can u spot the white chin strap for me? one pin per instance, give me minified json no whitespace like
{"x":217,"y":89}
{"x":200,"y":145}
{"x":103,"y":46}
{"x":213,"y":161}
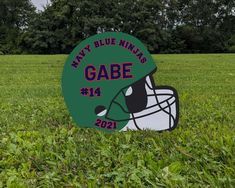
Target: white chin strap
{"x":160,"y":113}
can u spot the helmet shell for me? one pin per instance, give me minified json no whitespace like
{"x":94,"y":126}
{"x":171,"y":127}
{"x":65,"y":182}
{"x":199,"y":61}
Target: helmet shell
{"x":106,"y":63}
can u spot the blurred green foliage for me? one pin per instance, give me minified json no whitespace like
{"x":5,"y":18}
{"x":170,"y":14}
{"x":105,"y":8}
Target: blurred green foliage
{"x":168,"y":26}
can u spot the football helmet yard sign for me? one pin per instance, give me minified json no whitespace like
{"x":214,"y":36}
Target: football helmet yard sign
{"x":108,"y":84}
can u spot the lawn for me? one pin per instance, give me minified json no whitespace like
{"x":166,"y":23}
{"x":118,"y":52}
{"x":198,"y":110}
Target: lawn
{"x":41,"y":147}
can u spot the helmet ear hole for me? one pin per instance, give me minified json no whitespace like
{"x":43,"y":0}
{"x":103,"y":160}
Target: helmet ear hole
{"x":100,"y":110}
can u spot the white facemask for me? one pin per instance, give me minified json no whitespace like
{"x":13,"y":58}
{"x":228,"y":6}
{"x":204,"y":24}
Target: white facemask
{"x":161,"y":112}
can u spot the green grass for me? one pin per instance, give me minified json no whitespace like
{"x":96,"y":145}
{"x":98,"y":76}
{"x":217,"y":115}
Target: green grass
{"x":41,"y":147}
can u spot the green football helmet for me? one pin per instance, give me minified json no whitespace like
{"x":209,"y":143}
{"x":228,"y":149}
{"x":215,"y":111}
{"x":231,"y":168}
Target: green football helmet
{"x":107,"y":84}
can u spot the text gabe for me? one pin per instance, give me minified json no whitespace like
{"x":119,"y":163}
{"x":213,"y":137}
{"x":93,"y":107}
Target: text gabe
{"x":112,"y":72}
